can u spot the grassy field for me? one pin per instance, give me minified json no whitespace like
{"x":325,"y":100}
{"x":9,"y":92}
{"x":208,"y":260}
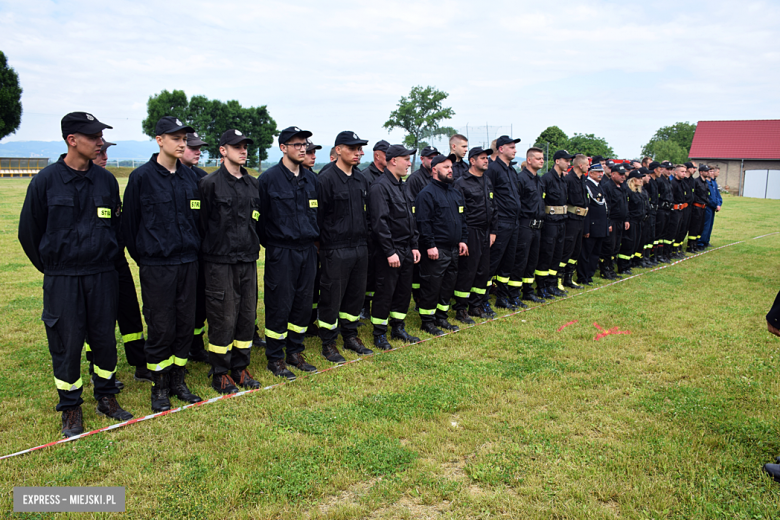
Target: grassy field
{"x":509,"y":419}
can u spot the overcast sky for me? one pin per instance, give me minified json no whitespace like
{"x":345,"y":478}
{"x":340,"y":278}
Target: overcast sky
{"x":618,"y":69}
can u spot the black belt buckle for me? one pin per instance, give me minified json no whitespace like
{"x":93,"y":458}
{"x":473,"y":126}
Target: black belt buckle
{"x":536,"y":224}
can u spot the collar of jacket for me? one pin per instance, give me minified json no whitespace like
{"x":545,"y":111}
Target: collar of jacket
{"x":528,"y":172}
{"x":224,"y":171}
{"x":468,"y":175}
{"x":342,"y":175}
{"x":442,"y":185}
{"x":291,"y":176}
{"x":162,"y":170}
{"x":68,"y":174}
{"x":392,"y":178}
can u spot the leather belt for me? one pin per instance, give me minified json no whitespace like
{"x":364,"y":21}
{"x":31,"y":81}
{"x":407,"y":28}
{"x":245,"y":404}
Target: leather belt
{"x":702,"y":206}
{"x":678,"y":207}
{"x":555,"y":210}
{"x":576,"y":210}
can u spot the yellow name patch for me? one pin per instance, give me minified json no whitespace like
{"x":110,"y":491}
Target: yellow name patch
{"x":194,"y":204}
{"x":313,"y":203}
{"x":413,"y":208}
{"x":460,"y":209}
{"x":255,"y":214}
{"x":104,"y":212}
{"x":491,"y":194}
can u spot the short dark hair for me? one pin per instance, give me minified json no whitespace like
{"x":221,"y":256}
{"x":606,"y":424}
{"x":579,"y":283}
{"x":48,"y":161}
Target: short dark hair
{"x":333,"y":152}
{"x":533,"y":149}
{"x":458,"y":137}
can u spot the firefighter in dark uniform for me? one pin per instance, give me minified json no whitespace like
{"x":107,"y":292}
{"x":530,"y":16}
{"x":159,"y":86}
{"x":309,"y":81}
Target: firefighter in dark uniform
{"x":69,"y":229}
{"x":595,"y":228}
{"x":530,"y":193}
{"x":160,"y":226}
{"x":649,"y":242}
{"x":474,"y":269}
{"x":443,"y":239}
{"x":690,"y":170}
{"x":680,"y":195}
{"x":343,"y":223}
{"x":198,"y":352}
{"x":395,"y":236}
{"x":308,"y":162}
{"x":288,"y":230}
{"x":414,"y":184}
{"x":459,"y":147}
{"x":554,"y":192}
{"x":374,"y":170}
{"x":128,"y":317}
{"x":577,"y":211}
{"x":701,"y":196}
{"x":664,"y":213}
{"x":629,"y":243}
{"x":229,"y":211}
{"x":617,"y":200}
{"x":507,"y":204}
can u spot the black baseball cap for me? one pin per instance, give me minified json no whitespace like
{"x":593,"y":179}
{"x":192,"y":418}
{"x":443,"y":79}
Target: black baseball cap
{"x":653,"y":165}
{"x":292,"y":131}
{"x":704,"y":168}
{"x":170,"y":125}
{"x":689,"y":165}
{"x":193,"y":140}
{"x":478,"y":150}
{"x":350,"y":139}
{"x":636,"y":174}
{"x":667,"y":165}
{"x":310,"y":147}
{"x":81,"y":123}
{"x":562,"y":154}
{"x":505,"y":139}
{"x":381,"y":146}
{"x":644,"y":171}
{"x":619,"y":168}
{"x":428,"y":151}
{"x":441,"y":158}
{"x":105,"y":146}
{"x":597,"y":158}
{"x":234,"y":137}
{"x":398,"y":150}
{"x":610,"y":163}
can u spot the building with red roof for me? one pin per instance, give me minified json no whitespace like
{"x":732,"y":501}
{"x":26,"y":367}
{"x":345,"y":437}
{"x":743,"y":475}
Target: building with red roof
{"x":747,"y":152}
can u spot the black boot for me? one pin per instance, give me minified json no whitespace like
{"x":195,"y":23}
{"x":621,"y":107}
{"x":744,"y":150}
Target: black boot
{"x":356,"y":345}
{"x":430,"y":328}
{"x":503,"y":303}
{"x":160,"y":392}
{"x":257,"y":341}
{"x":143,"y":374}
{"x":72,"y":422}
{"x":179,"y":387}
{"x":244,"y":379}
{"x":108,"y":407}
{"x":463,"y":317}
{"x":443,"y":324}
{"x":528,"y":295}
{"x":298,"y":361}
{"x":332,"y":354}
{"x":381,"y":342}
{"x":365,"y":312}
{"x":224,"y":384}
{"x":568,"y":281}
{"x":399,"y":332}
{"x":553,"y":286}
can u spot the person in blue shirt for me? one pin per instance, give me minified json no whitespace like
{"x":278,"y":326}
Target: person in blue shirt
{"x":713,"y":206}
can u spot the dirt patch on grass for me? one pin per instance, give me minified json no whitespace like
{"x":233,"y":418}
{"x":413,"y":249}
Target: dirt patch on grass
{"x":409,"y":508}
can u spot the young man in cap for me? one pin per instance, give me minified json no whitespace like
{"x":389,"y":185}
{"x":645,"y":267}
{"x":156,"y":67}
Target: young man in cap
{"x":577,"y":211}
{"x":595,"y":228}
{"x":459,"y":147}
{"x":503,"y":177}
{"x":102,"y":158}
{"x":372,"y":173}
{"x":649,"y":242}
{"x":680,"y":194}
{"x":311,"y":155}
{"x":701,"y":197}
{"x":616,"y":194}
{"x":343,"y":223}
{"x":160,"y":228}
{"x":443,"y":238}
{"x":531,"y":195}
{"x":308,"y":163}
{"x":229,"y":211}
{"x":663,"y":215}
{"x":418,"y":180}
{"x":555,"y":194}
{"x":481,"y":218}
{"x":395,"y":235}
{"x":198,"y":353}
{"x":288,"y":230}
{"x":69,"y":229}
{"x":688,"y":179}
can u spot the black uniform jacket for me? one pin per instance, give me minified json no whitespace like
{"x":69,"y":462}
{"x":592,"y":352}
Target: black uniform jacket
{"x":679,"y":191}
{"x":199,"y":172}
{"x":229,"y":211}
{"x":288,"y":208}
{"x":418,"y":180}
{"x":531,"y":192}
{"x":327,"y":167}
{"x":342,"y":214}
{"x":440,"y":216}
{"x":161,"y":219}
{"x":701,"y":191}
{"x":460,"y":168}
{"x":504,"y":180}
{"x":664,"y":189}
{"x":391,"y":215}
{"x":636,"y":206}
{"x":554,"y":192}
{"x":617,"y":198}
{"x":576,"y":193}
{"x":689,"y":185}
{"x":478,"y":197}
{"x":597,"y":219}
{"x":651,"y":188}
{"x":371,"y":173}
{"x":69,"y":223}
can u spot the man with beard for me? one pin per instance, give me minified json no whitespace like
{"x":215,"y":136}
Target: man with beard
{"x":615,"y":192}
{"x":418,"y":180}
{"x":374,"y":170}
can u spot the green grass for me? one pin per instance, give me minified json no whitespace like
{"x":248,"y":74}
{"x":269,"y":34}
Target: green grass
{"x":510,"y":419}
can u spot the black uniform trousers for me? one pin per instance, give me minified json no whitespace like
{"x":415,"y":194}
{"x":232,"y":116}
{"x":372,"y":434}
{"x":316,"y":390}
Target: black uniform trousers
{"x":526,"y":258}
{"x":572,"y":245}
{"x":551,"y":248}
{"x":686,"y":221}
{"x":288,"y":295}
{"x":393,"y":290}
{"x":231,"y":308}
{"x":168,"y":294}
{"x":473,"y":271}
{"x":648,"y":235}
{"x":628,"y":245}
{"x":342,"y":290}
{"x":502,"y":256}
{"x":315,"y":301}
{"x":128,"y":317}
{"x":370,"y":277}
{"x":611,"y":245}
{"x":680,"y":229}
{"x":590,"y":254}
{"x":200,"y":302}
{"x":662,"y":226}
{"x":75,"y":307}
{"x":437,"y":282}
{"x":696,"y":227}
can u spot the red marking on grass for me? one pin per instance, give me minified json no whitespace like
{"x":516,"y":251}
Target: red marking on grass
{"x":610,"y":332}
{"x":564,"y":326}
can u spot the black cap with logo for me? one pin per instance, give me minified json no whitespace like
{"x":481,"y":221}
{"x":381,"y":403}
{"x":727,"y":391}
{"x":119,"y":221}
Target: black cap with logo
{"x":397,"y":150}
{"x":292,"y":131}
{"x":81,"y":123}
{"x":350,"y":139}
{"x":479,"y":150}
{"x":234,"y":137}
{"x":667,"y":165}
{"x":429,"y":151}
{"x":505,"y":139}
{"x":171,"y":125}
{"x":653,"y":165}
{"x":310,"y":147}
{"x":441,"y":158}
{"x":194,"y":140}
{"x":562,"y":154}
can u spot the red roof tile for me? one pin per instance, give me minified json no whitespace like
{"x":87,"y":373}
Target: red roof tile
{"x":758,"y":139}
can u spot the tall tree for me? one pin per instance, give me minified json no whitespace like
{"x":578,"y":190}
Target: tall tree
{"x":590,"y":145}
{"x":419,"y":115}
{"x":554,"y":136}
{"x":10,"y":99}
{"x":680,"y":134}
{"x":666,"y":150}
{"x":164,"y":104}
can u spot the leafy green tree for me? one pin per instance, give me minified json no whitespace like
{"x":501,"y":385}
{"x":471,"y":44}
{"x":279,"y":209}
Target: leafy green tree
{"x":419,"y":115}
{"x":666,"y":150}
{"x":590,"y":145}
{"x":680,"y":134}
{"x":10,"y":99}
{"x":164,"y":104}
{"x":555,"y":137}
